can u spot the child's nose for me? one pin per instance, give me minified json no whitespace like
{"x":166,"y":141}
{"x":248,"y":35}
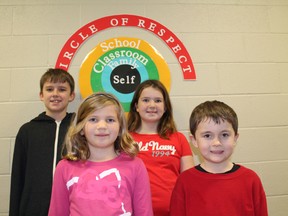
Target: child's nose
{"x":216,"y":142}
{"x":101,"y":124}
{"x":151,"y":103}
{"x":55,"y":92}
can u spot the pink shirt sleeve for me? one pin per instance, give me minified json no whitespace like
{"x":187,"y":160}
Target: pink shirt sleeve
{"x":59,"y":204}
{"x":142,"y":203}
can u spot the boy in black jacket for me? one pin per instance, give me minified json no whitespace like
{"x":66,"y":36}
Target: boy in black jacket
{"x":38,"y":146}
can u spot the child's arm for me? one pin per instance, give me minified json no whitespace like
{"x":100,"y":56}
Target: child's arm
{"x":187,"y":161}
{"x":177,"y":203}
{"x":260,"y":202}
{"x":59,"y":203}
{"x":18,"y":173}
{"x":142,"y":204}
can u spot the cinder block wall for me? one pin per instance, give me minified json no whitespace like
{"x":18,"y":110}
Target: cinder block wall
{"x":239,"y":49}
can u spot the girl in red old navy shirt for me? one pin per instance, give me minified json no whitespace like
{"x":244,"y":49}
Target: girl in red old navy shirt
{"x":165,"y":152}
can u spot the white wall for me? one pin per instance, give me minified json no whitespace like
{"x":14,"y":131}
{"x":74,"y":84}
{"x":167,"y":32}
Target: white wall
{"x":239,"y":49}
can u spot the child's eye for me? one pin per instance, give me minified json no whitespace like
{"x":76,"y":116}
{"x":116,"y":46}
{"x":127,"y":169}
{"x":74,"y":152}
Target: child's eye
{"x":207,"y":136}
{"x":111,"y":120}
{"x":92,"y":119}
{"x":146,"y":100}
{"x":49,"y":89}
{"x":158,"y":100}
{"x":62,"y":89}
{"x":225,"y":134}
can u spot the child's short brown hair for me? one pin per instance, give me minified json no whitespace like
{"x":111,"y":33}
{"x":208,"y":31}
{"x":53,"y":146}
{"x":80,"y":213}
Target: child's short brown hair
{"x":214,"y":110}
{"x":57,"y":75}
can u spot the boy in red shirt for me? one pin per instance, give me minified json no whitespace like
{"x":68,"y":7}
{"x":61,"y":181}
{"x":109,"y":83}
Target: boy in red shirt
{"x":217,"y":186}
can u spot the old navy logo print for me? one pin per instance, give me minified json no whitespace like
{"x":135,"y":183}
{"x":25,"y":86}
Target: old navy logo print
{"x":158,"y":150}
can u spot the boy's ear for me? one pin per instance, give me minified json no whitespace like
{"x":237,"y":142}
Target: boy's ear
{"x":236,"y":137}
{"x":193,"y":140}
{"x":72,"y":96}
{"x":41,"y":96}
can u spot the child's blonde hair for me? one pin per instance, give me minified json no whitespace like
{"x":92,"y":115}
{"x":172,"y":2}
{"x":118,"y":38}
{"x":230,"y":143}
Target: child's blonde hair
{"x":76,"y":146}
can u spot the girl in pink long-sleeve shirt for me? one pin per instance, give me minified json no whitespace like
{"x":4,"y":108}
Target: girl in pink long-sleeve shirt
{"x":100,"y":174}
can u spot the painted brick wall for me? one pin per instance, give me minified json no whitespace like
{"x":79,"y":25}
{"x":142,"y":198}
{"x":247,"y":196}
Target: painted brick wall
{"x":239,"y":49}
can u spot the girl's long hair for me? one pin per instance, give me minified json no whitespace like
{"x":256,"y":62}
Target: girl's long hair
{"x":75,"y":144}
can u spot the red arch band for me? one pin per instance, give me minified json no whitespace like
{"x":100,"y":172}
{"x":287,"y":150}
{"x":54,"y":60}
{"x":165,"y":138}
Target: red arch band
{"x":125,"y":20}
